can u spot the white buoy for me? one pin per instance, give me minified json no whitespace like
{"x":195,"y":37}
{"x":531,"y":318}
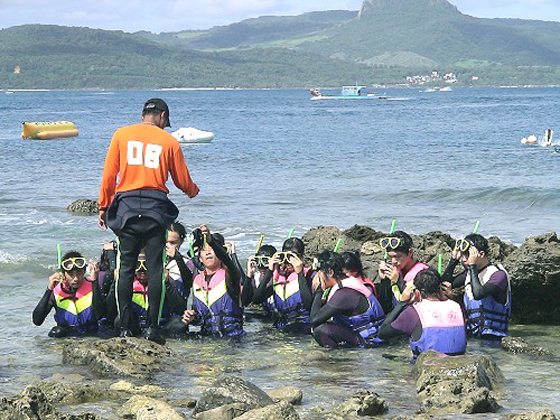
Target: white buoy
{"x":192,"y":135}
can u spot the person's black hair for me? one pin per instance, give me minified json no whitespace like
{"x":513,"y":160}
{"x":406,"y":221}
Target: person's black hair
{"x":329,"y":260}
{"x":72,"y":254}
{"x":267,"y":250}
{"x":428,"y":282}
{"x":179,"y":229}
{"x":478,"y":241}
{"x":406,"y":241}
{"x":295,"y":245}
{"x":352,"y":262}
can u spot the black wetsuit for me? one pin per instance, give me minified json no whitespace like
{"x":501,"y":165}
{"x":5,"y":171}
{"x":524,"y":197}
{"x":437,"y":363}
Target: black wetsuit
{"x":346,"y":302}
{"x":48,"y":302}
{"x":495,"y":287}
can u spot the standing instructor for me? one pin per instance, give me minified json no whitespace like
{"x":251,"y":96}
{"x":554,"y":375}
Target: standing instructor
{"x":137,"y":208}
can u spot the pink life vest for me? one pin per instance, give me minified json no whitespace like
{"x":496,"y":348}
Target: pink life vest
{"x":414,"y":270}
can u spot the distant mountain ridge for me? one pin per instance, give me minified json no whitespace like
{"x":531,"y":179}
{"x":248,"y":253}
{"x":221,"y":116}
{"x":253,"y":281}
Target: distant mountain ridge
{"x":382,"y":43}
{"x":427,"y":32}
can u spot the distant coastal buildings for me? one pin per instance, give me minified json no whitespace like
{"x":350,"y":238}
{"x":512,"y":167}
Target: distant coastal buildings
{"x":433,"y":77}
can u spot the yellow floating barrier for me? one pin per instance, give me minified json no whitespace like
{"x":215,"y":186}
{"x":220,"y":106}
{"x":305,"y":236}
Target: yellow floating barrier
{"x":48,"y":130}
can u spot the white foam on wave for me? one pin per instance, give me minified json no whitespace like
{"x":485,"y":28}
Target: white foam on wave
{"x":9,"y":258}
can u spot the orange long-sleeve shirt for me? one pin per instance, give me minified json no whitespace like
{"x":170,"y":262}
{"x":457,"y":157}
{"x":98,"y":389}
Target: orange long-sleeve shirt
{"x":143,"y":155}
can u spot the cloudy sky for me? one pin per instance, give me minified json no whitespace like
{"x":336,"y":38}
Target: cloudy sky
{"x":174,"y":15}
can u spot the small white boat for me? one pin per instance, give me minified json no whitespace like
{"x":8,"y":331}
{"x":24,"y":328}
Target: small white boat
{"x":347,"y":92}
{"x":192,"y":135}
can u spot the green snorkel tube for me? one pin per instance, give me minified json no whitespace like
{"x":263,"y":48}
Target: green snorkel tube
{"x":59,"y":257}
{"x":290,"y":233}
{"x":475,"y":230}
{"x":337,"y":246}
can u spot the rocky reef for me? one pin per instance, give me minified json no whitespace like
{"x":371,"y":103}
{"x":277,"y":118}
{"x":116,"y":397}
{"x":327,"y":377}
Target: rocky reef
{"x":534,"y":267}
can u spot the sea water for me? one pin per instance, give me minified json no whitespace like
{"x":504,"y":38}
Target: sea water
{"x":279,"y":161}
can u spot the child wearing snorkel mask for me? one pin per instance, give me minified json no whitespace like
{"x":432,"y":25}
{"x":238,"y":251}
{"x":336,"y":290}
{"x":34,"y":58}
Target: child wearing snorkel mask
{"x":217,"y":300}
{"x":77,"y":300}
{"x":257,"y":267}
{"x":291,"y":287}
{"x":400,"y":270}
{"x":487,"y":297}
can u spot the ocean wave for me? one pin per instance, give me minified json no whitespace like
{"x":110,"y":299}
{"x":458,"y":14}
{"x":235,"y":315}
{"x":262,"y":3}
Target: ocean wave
{"x":523,"y":196}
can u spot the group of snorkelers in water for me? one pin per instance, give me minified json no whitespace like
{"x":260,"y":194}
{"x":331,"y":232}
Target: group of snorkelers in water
{"x":327,"y":295}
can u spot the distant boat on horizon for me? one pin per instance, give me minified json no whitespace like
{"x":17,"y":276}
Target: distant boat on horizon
{"x":346,"y":93}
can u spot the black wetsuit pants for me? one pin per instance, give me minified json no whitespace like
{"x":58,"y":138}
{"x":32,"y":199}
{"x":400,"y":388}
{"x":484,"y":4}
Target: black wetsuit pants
{"x":333,"y":336}
{"x":141,"y":232}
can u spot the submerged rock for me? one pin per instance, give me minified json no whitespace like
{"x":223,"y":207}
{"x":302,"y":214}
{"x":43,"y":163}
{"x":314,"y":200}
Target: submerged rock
{"x":84,"y":206}
{"x":517,"y":345}
{"x":129,"y":388}
{"x":457,"y":384}
{"x":288,"y":393}
{"x":363,"y":403}
{"x":141,"y":407}
{"x":230,"y":390}
{"x":279,"y":411}
{"x":117,"y":356}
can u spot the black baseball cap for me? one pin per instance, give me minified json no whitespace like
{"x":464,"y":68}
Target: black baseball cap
{"x":158,"y":105}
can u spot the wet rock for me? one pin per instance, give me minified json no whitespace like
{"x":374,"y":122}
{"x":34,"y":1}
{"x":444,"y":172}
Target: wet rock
{"x":535,"y":280}
{"x":363,"y":234}
{"x":225,"y":412}
{"x":117,"y":356}
{"x":229,"y":390}
{"x":288,"y":393}
{"x":33,"y":404}
{"x":540,"y":415}
{"x":188,"y":402}
{"x":363,"y":403}
{"x":84,"y":207}
{"x":59,"y":393}
{"x":127,"y":387}
{"x":457,"y":384}
{"x":517,"y":345}
{"x":325,"y":238}
{"x":279,"y":411}
{"x":141,"y":407}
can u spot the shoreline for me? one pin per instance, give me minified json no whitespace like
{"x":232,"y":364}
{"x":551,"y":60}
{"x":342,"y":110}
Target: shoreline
{"x":229,"y":88}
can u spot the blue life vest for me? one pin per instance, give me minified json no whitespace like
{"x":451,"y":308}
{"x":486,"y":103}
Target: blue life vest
{"x":287,"y":300}
{"x":365,"y":324}
{"x":443,"y":327}
{"x":220,"y":315}
{"x":75,"y":309}
{"x":486,"y":316}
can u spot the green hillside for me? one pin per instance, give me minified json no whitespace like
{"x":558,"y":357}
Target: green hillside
{"x":39,"y":56}
{"x":255,"y":31}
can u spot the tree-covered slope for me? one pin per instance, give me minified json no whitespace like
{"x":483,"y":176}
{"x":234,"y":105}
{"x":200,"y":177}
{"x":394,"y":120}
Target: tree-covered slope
{"x":37,"y":56}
